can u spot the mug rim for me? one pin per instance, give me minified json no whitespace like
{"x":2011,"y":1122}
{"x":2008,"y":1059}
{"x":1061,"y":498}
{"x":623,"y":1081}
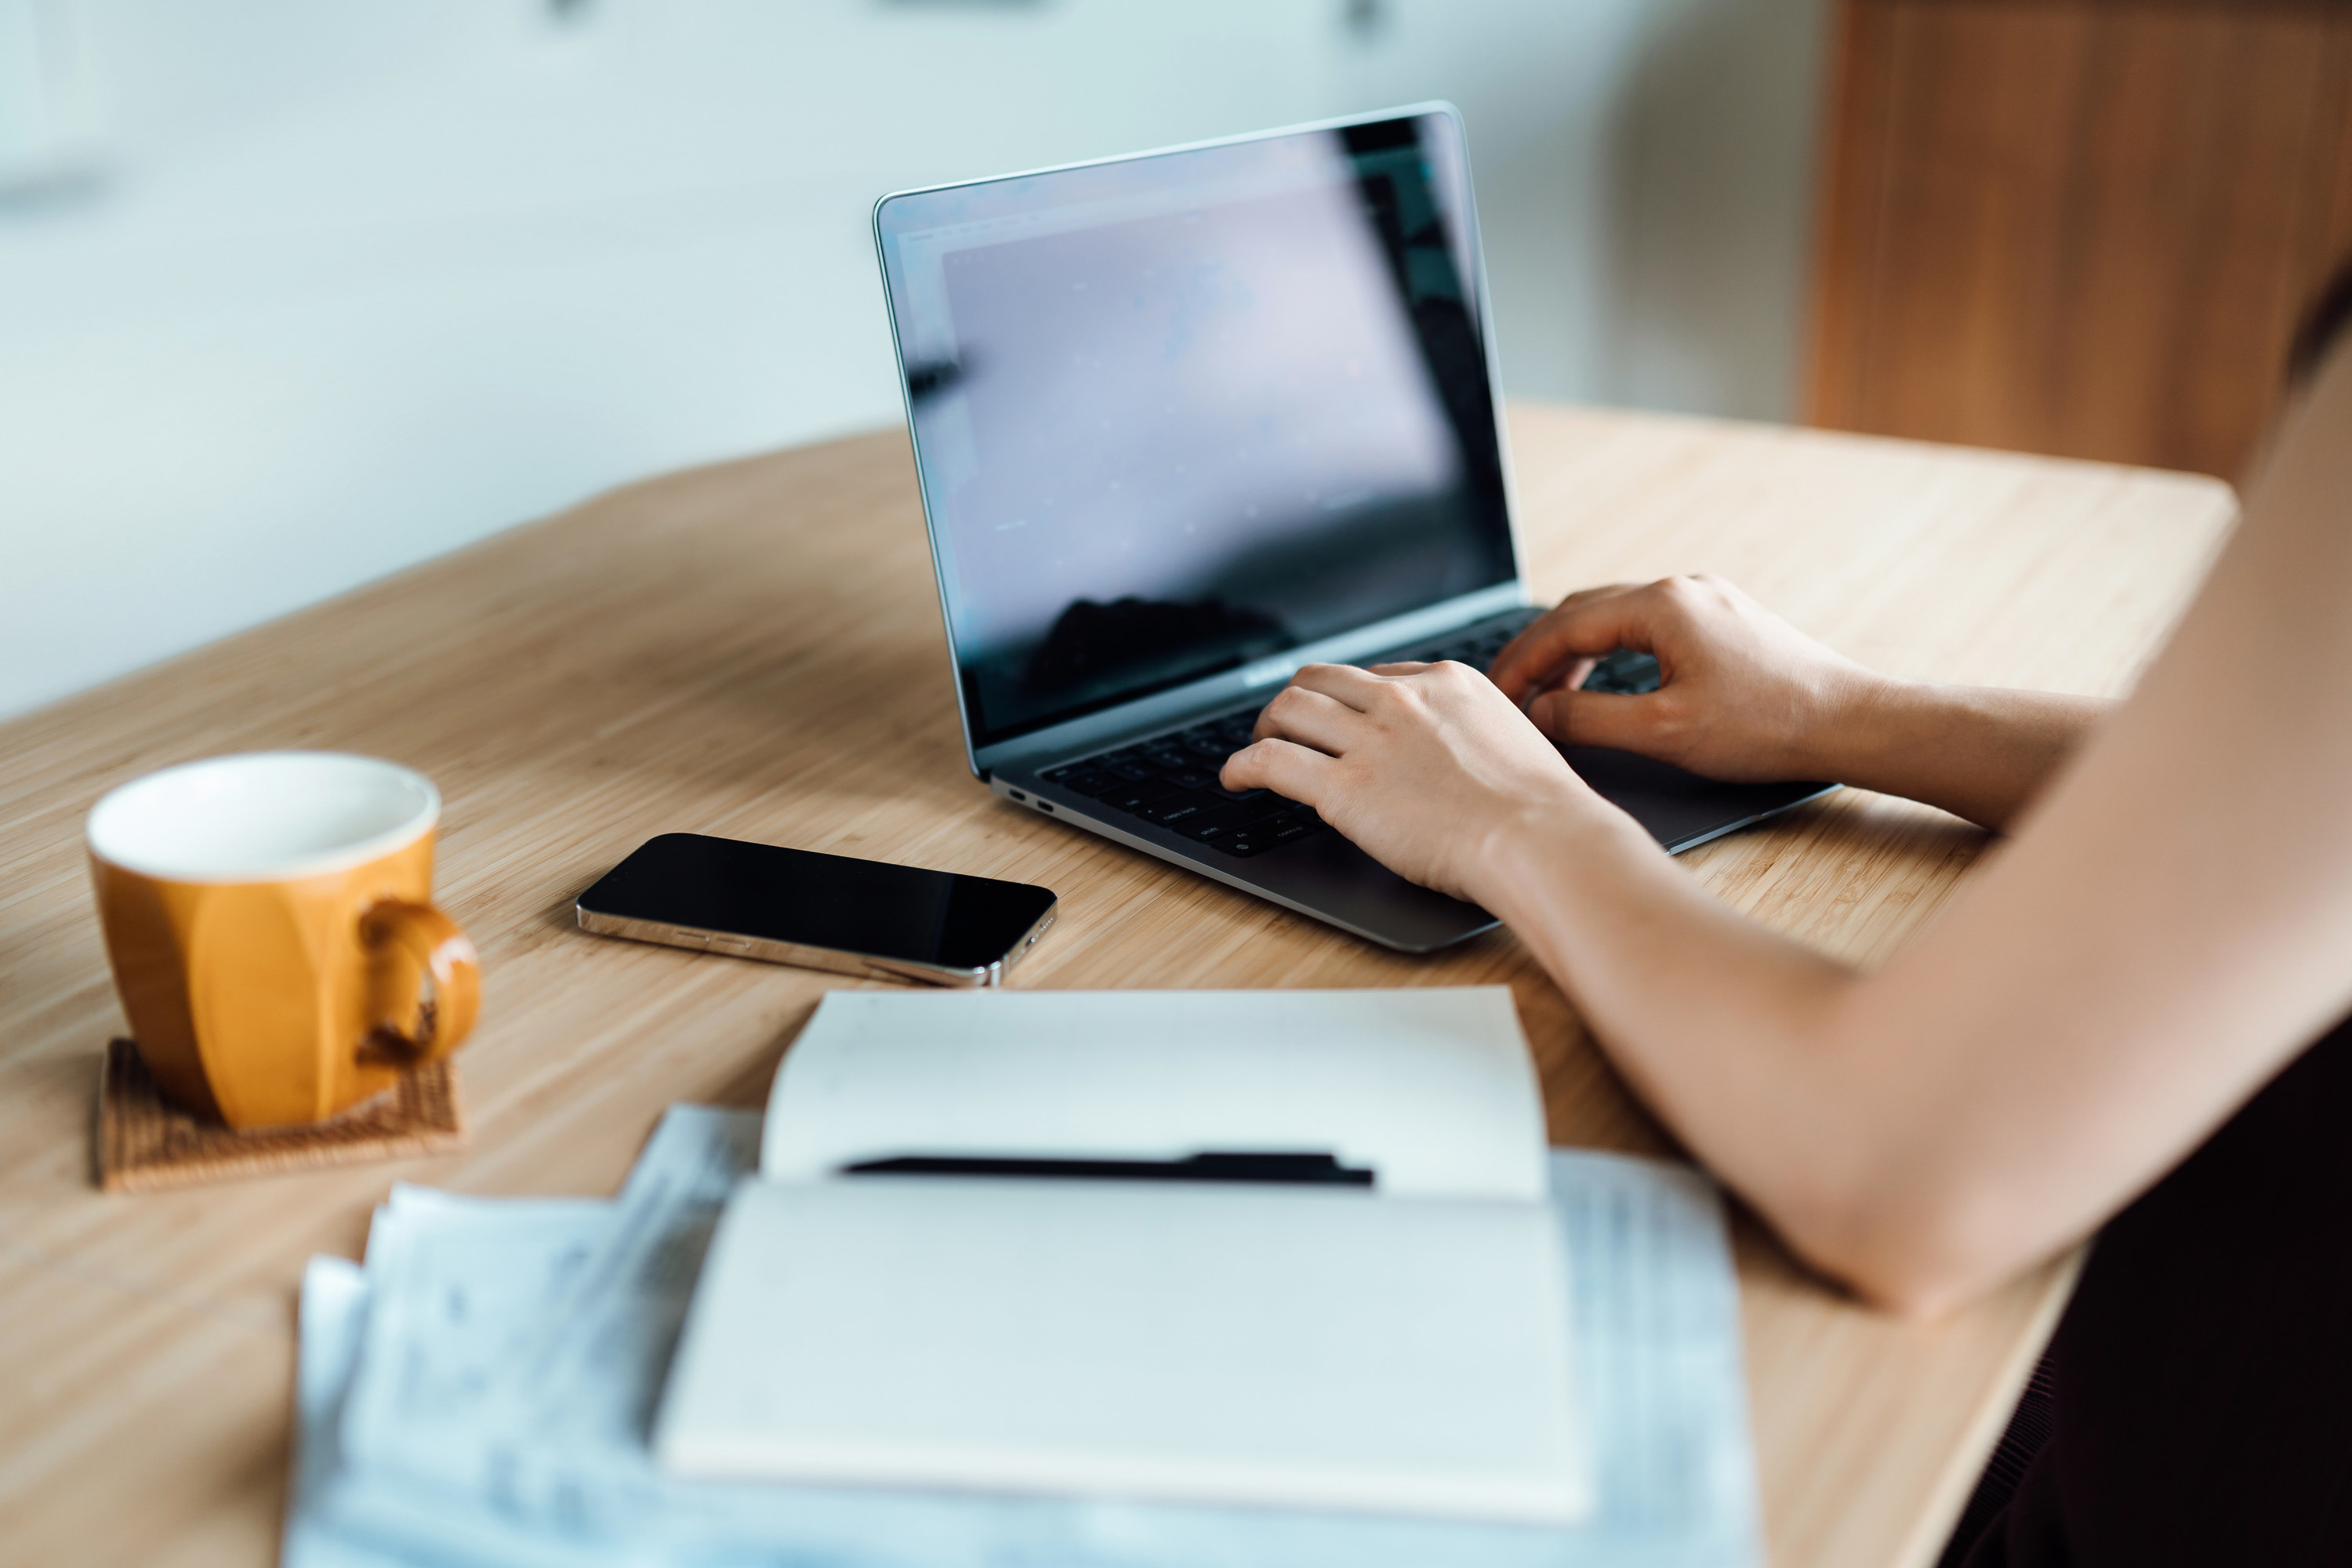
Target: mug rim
{"x":103,"y":825}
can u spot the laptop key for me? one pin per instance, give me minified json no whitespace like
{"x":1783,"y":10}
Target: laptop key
{"x":1133,"y":772}
{"x":1193,"y":778}
{"x":1221,"y":823}
{"x":1213,"y":826}
{"x":1288,"y":826}
{"x":1136,"y":797}
{"x":1172,"y":809}
{"x":1247,"y":842}
{"x":1083,"y":781}
{"x":1624,"y":671}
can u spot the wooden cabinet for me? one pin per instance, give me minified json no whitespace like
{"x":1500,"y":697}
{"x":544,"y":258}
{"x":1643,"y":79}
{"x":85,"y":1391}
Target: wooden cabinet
{"x":2077,"y":226}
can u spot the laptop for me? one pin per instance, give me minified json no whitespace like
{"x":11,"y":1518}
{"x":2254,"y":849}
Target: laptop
{"x":1188,"y":420}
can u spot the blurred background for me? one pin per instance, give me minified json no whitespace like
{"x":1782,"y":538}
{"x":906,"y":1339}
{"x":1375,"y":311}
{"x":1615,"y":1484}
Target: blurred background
{"x":294,"y":293}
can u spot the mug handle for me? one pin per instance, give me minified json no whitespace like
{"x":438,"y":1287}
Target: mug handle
{"x":432,"y":943}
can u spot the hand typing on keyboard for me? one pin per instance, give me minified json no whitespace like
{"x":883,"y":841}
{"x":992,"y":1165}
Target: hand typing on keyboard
{"x":1428,"y":767}
{"x":1738,"y":693}
{"x":1172,"y":781}
{"x":1424,"y":765}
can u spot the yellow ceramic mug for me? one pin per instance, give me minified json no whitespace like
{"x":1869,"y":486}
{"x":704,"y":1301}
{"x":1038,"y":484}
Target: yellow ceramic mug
{"x":269,"y":922}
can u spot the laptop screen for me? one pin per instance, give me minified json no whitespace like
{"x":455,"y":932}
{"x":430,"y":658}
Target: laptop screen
{"x":1181,"y":412}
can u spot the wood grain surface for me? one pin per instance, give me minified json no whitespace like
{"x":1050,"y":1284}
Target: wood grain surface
{"x":754,"y":650}
{"x":2079,"y":227}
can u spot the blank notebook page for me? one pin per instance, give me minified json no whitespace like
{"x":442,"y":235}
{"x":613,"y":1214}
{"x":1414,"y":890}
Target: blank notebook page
{"x":1312,"y":1347}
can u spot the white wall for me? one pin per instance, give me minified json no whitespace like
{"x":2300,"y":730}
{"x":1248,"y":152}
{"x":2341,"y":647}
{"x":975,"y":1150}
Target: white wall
{"x":293,"y":295}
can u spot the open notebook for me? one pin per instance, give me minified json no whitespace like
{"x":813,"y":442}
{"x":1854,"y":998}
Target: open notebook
{"x":1281,"y":1248}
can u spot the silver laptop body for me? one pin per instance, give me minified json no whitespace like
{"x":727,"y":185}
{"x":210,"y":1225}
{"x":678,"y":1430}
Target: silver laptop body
{"x":1188,"y":420}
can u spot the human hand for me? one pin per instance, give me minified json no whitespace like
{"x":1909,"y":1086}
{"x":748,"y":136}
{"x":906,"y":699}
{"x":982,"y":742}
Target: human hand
{"x":1743,"y":696}
{"x":1425,"y":766}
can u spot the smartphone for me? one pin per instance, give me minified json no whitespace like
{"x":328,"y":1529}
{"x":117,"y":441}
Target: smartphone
{"x":821,"y":911}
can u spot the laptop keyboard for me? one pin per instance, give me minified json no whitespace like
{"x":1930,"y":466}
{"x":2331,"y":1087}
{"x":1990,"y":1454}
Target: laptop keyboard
{"x":1171,"y":780}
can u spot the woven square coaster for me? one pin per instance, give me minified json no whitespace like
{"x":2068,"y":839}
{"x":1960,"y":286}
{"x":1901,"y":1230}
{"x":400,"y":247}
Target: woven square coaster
{"x":145,"y":1144}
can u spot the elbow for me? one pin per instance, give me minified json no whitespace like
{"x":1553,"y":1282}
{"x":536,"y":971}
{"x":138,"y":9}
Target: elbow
{"x":1901,"y":1289}
{"x":1916,"y":1256}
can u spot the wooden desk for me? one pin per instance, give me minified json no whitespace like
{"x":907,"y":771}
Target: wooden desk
{"x":754,"y":650}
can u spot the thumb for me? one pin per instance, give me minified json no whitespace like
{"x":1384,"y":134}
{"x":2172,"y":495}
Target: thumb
{"x":1610,"y":719}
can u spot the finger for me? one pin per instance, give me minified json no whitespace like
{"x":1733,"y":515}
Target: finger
{"x":1575,"y":671}
{"x":1621,"y":723}
{"x":1340,"y":682}
{"x":1282,"y":766}
{"x":1516,"y":661}
{"x":1309,"y":717}
{"x":1405,"y":667}
{"x":1605,"y":591}
{"x":1605,"y":622}
{"x":1524,"y":664}
{"x":1583,"y":596}
{"x":1568,"y":677}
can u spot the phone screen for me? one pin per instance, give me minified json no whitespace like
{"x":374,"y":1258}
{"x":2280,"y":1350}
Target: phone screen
{"x":830,"y":901}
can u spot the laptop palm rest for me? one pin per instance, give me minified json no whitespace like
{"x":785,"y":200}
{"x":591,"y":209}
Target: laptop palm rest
{"x":1679,"y":808}
{"x":1328,"y":877}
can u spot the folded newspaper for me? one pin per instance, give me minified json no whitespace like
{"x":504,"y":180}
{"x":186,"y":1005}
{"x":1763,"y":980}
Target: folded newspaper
{"x":480,"y":1391}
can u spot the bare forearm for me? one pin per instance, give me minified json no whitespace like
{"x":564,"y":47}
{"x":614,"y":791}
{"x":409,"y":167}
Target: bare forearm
{"x":1748,"y":697}
{"x":1736,"y":1037}
{"x":1976,"y":752}
{"x":1764,"y":1056}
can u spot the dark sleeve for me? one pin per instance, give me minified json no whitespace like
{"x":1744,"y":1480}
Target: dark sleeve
{"x":2322,"y":324}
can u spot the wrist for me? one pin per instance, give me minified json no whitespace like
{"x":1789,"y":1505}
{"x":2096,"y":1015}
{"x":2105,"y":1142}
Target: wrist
{"x":1867,"y":717}
{"x":1978,"y":752}
{"x":1517,"y":851}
